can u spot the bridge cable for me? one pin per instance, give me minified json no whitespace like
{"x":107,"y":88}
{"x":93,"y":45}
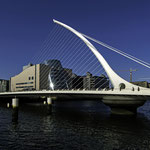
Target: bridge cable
{"x":59,"y":43}
{"x":119,"y":52}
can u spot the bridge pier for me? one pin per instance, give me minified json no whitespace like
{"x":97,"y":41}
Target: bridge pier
{"x":15,"y":106}
{"x":123,"y":105}
{"x":49,"y":105}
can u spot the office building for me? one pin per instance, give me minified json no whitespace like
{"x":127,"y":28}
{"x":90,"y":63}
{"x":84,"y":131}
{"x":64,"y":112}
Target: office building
{"x":91,"y":82}
{"x":52,"y":76}
{"x":33,"y":77}
{"x":141,"y":83}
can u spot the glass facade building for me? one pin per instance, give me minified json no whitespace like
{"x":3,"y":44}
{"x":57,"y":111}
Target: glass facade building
{"x":58,"y":76}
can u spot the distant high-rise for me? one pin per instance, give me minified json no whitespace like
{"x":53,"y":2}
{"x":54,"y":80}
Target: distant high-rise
{"x":4,"y":85}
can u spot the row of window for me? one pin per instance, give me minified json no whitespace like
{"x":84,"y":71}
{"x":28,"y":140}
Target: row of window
{"x":24,"y":83}
{"x":24,"y":87}
{"x":31,"y":78}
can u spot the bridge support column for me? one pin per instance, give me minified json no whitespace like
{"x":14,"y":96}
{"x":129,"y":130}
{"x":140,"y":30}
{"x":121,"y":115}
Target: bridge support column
{"x":15,"y":105}
{"x":49,"y":105}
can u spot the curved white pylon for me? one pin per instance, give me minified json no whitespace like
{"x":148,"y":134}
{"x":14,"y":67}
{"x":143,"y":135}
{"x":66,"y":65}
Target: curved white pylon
{"x":115,"y":79}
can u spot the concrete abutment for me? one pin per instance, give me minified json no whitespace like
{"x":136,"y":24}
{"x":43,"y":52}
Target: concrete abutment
{"x":123,"y":105}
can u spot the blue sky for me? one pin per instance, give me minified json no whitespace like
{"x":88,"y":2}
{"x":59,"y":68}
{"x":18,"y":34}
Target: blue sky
{"x":124,"y":24}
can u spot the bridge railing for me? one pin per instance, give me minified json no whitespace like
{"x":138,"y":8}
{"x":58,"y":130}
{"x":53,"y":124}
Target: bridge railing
{"x":138,"y":89}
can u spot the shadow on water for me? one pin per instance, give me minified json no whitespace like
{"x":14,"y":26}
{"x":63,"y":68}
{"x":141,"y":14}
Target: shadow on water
{"x":75,"y":125}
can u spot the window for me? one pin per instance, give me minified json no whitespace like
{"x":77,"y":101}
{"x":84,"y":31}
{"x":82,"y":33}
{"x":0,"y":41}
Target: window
{"x":29,"y":78}
{"x":24,"y":83}
{"x":24,"y":87}
{"x":32,"y":78}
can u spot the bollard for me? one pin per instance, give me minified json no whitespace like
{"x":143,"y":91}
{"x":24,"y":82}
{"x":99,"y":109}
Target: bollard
{"x":15,"y":105}
{"x":15,"y":102}
{"x":49,"y":100}
{"x":8,"y":105}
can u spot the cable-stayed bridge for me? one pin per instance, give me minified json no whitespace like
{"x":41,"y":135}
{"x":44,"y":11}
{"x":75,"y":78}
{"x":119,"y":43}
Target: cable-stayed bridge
{"x":122,"y":97}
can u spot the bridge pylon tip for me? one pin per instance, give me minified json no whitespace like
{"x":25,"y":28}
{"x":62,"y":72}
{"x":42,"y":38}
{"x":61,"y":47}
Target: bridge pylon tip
{"x":54,"y":20}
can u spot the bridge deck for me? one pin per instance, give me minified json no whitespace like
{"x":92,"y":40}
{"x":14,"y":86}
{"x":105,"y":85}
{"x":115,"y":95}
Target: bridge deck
{"x":97,"y":94}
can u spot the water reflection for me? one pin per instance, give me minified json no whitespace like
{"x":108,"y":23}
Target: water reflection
{"x":15,"y":115}
{"x":75,"y":125}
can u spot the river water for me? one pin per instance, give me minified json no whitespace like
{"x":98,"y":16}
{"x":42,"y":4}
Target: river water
{"x":77,"y":125}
